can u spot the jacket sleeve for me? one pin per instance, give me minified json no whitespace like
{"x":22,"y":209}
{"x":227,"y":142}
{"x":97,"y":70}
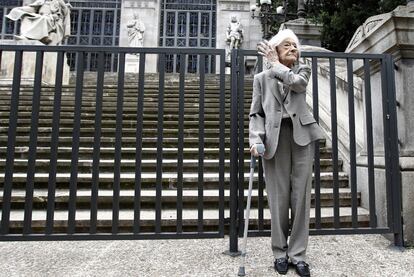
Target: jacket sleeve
{"x":296,"y":80}
{"x":256,"y":115}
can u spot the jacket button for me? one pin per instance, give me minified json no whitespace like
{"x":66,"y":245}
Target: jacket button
{"x":294,"y":114}
{"x":286,"y":102}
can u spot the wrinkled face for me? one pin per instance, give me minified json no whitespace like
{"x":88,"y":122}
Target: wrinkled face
{"x":288,"y":52}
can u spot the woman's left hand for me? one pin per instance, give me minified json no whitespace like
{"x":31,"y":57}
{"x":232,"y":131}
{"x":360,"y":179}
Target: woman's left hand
{"x":267,"y":51}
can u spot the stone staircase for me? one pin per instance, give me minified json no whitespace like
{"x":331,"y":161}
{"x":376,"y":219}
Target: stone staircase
{"x":149,"y":159}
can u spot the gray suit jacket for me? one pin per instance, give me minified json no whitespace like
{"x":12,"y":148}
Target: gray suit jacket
{"x":266,"y":109}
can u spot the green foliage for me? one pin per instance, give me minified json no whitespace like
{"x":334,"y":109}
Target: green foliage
{"x":340,"y":19}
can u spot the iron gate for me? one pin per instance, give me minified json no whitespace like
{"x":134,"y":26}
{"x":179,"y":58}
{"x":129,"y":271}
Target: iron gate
{"x":368,"y":62}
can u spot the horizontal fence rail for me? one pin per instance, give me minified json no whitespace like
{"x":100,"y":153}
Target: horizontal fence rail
{"x":113,"y":155}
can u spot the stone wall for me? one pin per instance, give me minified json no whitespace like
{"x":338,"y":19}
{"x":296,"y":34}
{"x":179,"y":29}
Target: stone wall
{"x":392,"y":33}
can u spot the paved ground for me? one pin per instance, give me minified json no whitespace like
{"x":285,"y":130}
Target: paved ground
{"x":367,"y":255}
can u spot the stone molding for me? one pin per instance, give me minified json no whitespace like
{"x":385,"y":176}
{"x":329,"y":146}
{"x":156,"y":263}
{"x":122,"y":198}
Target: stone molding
{"x":234,"y":5}
{"x":133,"y":4}
{"x":381,"y":32}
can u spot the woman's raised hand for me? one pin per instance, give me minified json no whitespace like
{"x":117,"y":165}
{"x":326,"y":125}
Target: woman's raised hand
{"x":267,"y":51}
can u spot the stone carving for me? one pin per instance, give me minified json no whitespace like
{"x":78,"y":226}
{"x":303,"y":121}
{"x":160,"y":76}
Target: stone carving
{"x":365,"y":29}
{"x":234,"y":34}
{"x":374,"y":22}
{"x":47,"y":21}
{"x":136,"y":29}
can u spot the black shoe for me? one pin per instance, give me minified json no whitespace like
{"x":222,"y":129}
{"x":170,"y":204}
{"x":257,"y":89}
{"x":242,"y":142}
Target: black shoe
{"x":302,"y":269}
{"x":282,"y":265}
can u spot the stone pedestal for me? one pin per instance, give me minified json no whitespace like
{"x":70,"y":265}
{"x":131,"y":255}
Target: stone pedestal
{"x":308,"y":33}
{"x":131,"y":63}
{"x":29,"y":65}
{"x":392,"y":33}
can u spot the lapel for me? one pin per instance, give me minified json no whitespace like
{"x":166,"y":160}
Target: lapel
{"x":276,"y":87}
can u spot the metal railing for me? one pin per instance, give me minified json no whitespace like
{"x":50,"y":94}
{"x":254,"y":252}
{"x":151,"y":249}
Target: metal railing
{"x":81,"y":91}
{"x":230,"y":133}
{"x":387,"y":108}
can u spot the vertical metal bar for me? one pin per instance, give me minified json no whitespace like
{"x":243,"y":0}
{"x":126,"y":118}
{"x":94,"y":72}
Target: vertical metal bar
{"x":118,"y":143}
{"x":159,"y":143}
{"x":240,"y":88}
{"x":138,"y":145}
{"x":201,"y":143}
{"x":97,"y":143}
{"x":261,"y":197}
{"x":222,"y":145}
{"x":28,"y":203}
{"x":259,"y":64}
{"x":332,"y":79}
{"x":384,"y":93}
{"x":75,"y":143}
{"x":370,"y":145}
{"x":54,"y":144}
{"x":317,"y":155}
{"x":352,"y":144}
{"x":11,"y":142}
{"x":392,"y":154}
{"x":180,"y":149}
{"x":233,"y":233}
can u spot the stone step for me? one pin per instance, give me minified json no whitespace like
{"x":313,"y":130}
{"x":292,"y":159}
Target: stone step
{"x":87,"y":142}
{"x":127,"y":103}
{"x":127,"y":123}
{"x":105,"y":131}
{"x":148,"y":165}
{"x":43,"y":152}
{"x":133,"y":109}
{"x":149,"y":179}
{"x":147,"y":198}
{"x":147,"y":222}
{"x":111,"y":96}
{"x":169,"y":92}
{"x":125,"y":116}
{"x":128,"y":86}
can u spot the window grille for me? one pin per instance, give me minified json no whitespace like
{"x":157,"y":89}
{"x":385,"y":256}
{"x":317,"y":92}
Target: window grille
{"x":8,"y":28}
{"x":188,"y":23}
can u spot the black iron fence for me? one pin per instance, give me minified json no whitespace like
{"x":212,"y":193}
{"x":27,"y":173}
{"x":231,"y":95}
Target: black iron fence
{"x":118,"y":120}
{"x":378,"y":136}
{"x":107,"y":146}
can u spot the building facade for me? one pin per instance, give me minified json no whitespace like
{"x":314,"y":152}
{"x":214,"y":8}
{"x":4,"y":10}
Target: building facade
{"x":168,"y":23}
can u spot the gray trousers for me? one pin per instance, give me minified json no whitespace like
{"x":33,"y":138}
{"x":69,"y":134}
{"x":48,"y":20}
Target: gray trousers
{"x":288,"y":177}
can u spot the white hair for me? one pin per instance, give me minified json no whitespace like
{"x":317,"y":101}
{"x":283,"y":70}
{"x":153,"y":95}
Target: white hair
{"x":282,"y":35}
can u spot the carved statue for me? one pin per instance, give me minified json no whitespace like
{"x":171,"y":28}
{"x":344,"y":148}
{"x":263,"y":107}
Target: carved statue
{"x":47,"y":21}
{"x":234,"y":33}
{"x":136,"y":31}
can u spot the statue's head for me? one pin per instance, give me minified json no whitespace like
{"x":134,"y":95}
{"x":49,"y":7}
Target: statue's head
{"x":136,"y":15}
{"x":233,"y":18}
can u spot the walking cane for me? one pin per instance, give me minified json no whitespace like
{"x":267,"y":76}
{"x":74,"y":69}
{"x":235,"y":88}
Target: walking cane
{"x":260,"y":149}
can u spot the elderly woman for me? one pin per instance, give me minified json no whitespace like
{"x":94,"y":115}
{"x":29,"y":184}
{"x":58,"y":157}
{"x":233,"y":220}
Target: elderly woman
{"x":280,"y":119}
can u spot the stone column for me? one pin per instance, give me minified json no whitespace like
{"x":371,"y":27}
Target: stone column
{"x":309,"y":33}
{"x":392,"y":33}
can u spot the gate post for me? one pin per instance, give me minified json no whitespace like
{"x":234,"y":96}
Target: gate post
{"x":392,"y":155}
{"x":234,"y":167}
